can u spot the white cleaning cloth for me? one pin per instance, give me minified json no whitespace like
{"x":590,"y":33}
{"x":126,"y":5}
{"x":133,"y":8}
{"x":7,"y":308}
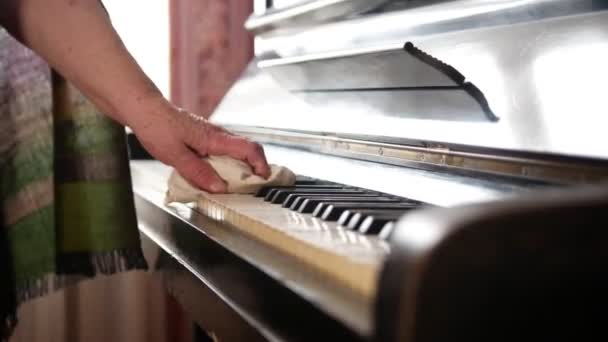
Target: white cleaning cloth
{"x":238,"y":175}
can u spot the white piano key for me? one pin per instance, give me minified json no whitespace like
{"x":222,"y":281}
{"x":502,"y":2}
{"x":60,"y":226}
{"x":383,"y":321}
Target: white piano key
{"x":344,"y":257}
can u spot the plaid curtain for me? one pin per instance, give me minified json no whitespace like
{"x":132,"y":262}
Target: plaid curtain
{"x":66,"y":206}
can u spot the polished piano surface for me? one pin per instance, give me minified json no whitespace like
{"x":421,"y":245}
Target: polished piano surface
{"x":452,"y":165}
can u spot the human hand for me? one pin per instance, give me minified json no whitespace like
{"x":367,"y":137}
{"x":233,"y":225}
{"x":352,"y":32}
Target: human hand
{"x":179,"y":138}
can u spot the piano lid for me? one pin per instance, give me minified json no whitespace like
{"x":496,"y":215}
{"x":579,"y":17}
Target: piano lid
{"x":540,"y":65}
{"x":270,"y":15}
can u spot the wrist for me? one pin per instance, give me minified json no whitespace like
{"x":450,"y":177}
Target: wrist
{"x":144,"y":110}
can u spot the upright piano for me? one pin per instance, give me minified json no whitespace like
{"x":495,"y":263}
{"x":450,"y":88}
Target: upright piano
{"x":452,"y":159}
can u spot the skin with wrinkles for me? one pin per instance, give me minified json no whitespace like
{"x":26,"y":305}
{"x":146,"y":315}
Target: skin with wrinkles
{"x":77,"y":39}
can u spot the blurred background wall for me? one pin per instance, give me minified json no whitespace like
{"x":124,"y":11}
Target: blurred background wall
{"x":143,"y":26}
{"x":209,"y":50}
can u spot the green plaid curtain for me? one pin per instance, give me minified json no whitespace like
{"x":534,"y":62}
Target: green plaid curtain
{"x":65,"y":194}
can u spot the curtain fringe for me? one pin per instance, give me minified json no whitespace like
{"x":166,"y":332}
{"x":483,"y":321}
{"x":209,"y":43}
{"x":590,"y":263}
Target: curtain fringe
{"x":7,"y":327}
{"x":74,"y":267}
{"x":71,"y":269}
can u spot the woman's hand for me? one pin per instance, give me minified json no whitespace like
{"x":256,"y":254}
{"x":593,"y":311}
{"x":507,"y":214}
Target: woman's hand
{"x":179,"y":138}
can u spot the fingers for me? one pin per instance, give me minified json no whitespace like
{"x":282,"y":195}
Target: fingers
{"x":198,"y":172}
{"x":223,"y":143}
{"x":209,"y":139}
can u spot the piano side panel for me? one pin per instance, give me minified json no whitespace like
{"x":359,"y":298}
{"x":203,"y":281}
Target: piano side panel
{"x":532,"y":269}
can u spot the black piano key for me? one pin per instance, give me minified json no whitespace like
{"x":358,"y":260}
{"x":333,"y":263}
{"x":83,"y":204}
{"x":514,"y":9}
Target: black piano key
{"x":353,"y":222}
{"x":373,"y":224}
{"x":321,"y":207}
{"x":270,"y":193}
{"x":346,"y":215}
{"x":290,"y":199}
{"x":293,"y":201}
{"x":309,"y":205}
{"x":296,"y":199}
{"x":274,"y":190}
{"x":309,"y":182}
{"x":281,"y":195}
{"x":387,"y":230}
{"x":357,"y":219}
{"x":297,"y":203}
{"x":305,"y":179}
{"x":333,"y":211}
{"x":264,"y":192}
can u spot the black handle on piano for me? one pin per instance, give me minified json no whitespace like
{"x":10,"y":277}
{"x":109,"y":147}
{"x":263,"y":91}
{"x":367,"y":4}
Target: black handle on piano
{"x":455,"y":76}
{"x":534,"y":268}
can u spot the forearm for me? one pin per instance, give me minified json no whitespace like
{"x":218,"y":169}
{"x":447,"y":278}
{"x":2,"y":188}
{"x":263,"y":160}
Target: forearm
{"x":78,"y":40}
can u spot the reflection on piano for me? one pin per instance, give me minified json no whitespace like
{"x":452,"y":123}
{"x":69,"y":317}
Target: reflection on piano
{"x":455,"y":193}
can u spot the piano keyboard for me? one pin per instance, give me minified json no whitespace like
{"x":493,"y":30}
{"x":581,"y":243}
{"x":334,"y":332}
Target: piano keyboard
{"x":336,"y":230}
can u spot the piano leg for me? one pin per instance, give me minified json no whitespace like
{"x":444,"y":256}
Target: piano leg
{"x":200,"y":335}
{"x":212,"y":316}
